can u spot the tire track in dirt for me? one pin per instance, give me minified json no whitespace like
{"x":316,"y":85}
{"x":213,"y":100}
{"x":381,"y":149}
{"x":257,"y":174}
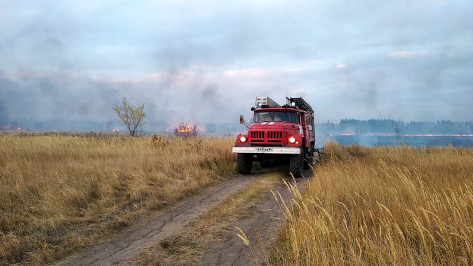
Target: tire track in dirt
{"x":128,"y":244}
{"x":261,"y":230}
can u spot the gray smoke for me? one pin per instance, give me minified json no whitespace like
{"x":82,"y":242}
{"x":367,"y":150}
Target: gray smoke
{"x":204,"y":62}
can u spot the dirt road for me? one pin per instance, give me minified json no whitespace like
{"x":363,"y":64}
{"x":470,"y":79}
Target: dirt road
{"x":261,"y":224}
{"x":261,"y":229}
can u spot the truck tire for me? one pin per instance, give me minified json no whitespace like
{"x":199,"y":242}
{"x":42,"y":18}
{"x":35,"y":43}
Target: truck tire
{"x":309,"y":161}
{"x":296,"y":164}
{"x":244,"y":163}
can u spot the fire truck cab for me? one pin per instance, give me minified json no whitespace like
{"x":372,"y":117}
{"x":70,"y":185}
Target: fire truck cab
{"x":278,"y":133}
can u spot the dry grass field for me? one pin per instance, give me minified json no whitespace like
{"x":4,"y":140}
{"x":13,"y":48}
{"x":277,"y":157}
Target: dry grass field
{"x":378,"y":205}
{"x":383,"y":205}
{"x":62,"y":193}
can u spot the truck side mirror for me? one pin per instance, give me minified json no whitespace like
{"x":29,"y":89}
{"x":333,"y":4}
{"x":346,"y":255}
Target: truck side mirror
{"x":241,"y":119}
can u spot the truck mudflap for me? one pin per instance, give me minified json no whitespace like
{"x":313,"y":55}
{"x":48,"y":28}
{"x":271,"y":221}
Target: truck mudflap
{"x":267,"y":150}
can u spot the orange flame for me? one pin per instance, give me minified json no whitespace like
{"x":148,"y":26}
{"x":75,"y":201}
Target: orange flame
{"x":183,"y":128}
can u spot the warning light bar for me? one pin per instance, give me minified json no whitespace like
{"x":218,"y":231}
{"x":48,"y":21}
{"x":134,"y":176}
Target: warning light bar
{"x":265,"y":101}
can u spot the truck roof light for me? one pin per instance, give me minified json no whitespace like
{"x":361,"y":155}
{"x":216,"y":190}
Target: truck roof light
{"x":299,"y":102}
{"x":265,"y":101}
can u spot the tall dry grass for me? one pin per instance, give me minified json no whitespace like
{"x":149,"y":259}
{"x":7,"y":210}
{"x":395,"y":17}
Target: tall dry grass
{"x":383,"y":205}
{"x":61,"y":193}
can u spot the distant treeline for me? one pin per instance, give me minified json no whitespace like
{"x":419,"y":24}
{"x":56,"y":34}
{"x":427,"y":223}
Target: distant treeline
{"x":345,"y":126}
{"x":388,"y":126}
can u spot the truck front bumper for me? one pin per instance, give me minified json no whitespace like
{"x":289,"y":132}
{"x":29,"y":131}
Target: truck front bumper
{"x":267,"y":150}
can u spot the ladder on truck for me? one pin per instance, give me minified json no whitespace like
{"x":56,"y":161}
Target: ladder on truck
{"x":301,"y":103}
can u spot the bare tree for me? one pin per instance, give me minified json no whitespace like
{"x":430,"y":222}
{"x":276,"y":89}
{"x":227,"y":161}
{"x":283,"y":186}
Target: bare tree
{"x":131,"y":116}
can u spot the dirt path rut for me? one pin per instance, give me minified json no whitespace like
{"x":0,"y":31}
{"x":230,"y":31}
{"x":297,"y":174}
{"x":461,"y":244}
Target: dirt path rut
{"x":260,"y":228}
{"x":130,"y":242}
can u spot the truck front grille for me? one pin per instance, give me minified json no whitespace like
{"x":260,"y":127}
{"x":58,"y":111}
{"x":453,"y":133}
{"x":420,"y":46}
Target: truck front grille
{"x":274,"y":134}
{"x":273,"y":137}
{"x":257,"y":134}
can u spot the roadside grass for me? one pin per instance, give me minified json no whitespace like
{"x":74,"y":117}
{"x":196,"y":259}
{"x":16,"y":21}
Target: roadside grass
{"x":192,"y":242}
{"x":383,"y":205}
{"x":62,"y":193}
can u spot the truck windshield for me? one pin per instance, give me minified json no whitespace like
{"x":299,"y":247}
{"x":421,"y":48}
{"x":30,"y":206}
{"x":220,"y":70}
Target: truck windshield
{"x":275,"y":116}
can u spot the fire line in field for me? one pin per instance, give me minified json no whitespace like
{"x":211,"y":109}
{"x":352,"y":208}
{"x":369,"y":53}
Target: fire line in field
{"x":406,"y":135}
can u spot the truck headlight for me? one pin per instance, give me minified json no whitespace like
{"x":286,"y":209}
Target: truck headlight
{"x":292,"y":140}
{"x":243,"y":139}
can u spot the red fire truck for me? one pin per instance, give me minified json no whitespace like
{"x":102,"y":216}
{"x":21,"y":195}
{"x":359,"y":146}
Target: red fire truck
{"x":277,"y":134}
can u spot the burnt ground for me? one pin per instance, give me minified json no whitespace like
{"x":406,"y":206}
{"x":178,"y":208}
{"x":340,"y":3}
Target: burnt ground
{"x":260,"y":227}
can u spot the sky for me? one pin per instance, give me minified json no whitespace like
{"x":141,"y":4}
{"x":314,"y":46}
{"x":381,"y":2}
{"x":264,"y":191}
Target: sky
{"x":205,"y":62}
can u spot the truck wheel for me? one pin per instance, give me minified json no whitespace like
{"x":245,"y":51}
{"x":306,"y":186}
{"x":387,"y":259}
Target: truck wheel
{"x":244,"y":163}
{"x":310,"y":157}
{"x":296,"y":164}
